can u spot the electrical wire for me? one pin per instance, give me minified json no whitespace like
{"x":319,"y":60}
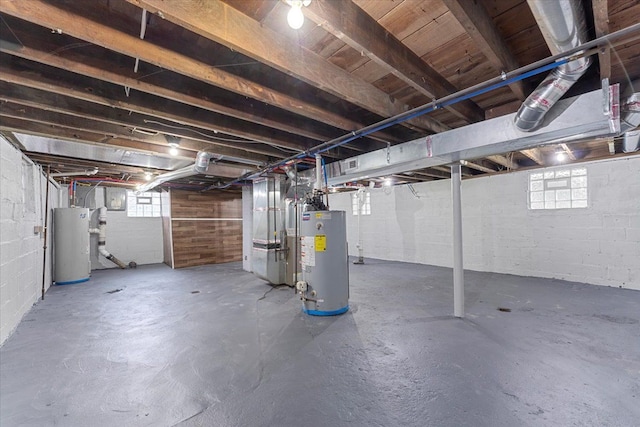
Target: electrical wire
{"x":217,"y":138}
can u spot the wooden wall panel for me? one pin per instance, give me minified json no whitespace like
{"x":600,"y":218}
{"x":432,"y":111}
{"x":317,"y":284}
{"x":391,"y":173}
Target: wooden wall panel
{"x":189,"y":204}
{"x":206,"y":242}
{"x":206,"y":228}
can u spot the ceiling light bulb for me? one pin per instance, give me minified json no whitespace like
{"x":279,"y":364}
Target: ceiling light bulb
{"x":387,"y":182}
{"x":295,"y":18}
{"x":560,"y":156}
{"x":148,"y":176}
{"x":173,"y":151}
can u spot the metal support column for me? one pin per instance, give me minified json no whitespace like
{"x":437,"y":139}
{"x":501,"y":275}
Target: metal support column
{"x":458,"y":271}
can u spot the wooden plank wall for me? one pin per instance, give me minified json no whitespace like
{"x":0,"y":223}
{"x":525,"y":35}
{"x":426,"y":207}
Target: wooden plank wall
{"x":206,"y":227}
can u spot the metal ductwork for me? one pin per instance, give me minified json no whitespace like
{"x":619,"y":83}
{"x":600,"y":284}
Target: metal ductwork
{"x":199,"y":167}
{"x":629,"y":121}
{"x":564,"y":27}
{"x":590,"y":115}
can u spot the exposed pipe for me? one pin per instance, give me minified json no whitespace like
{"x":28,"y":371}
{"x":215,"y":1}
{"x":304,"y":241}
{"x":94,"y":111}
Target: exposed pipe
{"x":44,"y":229}
{"x":77,"y":173}
{"x":564,"y":27}
{"x":505,"y":79}
{"x":458,"y":266}
{"x":84,"y":204}
{"x":199,"y":167}
{"x":361,"y":194}
{"x":318,"y":185}
{"x":102,"y":238}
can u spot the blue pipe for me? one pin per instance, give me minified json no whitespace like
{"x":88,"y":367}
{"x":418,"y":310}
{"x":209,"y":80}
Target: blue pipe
{"x":432,"y":106}
{"x":324,"y":171}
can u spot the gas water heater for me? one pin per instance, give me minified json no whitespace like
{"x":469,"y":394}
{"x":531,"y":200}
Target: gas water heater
{"x":324,"y":288}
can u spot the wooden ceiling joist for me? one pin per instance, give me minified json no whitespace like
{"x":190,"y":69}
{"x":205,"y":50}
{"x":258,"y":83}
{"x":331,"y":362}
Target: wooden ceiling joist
{"x":102,"y":67}
{"x":472,"y":15}
{"x":180,"y":119}
{"x":346,"y":21}
{"x":50,"y":16}
{"x":601,"y":21}
{"x":223,"y":24}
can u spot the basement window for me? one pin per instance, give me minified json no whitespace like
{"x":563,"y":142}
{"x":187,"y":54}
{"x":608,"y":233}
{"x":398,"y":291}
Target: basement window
{"x":366,"y":206}
{"x":559,"y":189}
{"x":143,"y":205}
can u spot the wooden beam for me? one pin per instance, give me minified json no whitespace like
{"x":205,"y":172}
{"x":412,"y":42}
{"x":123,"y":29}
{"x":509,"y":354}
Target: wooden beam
{"x":534,"y":154}
{"x":223,"y":24}
{"x":478,"y":24}
{"x":11,"y":138}
{"x":505,"y":161}
{"x":123,"y":136}
{"x":102,"y":67}
{"x":61,"y":163}
{"x":433,"y":173}
{"x":346,"y":21}
{"x":188,"y":121}
{"x":601,"y":21}
{"x":477,"y":166}
{"x":47,"y":15}
{"x":54,"y":131}
{"x":569,"y":152}
{"x":55,"y":101}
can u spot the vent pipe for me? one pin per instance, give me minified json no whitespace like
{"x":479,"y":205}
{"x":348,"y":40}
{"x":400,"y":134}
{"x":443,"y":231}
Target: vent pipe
{"x":564,"y":27}
{"x":199,"y":167}
{"x":101,"y":231}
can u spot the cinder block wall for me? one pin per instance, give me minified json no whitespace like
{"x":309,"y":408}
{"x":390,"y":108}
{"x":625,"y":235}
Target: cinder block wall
{"x":598,"y":245}
{"x":22,"y":194}
{"x":128,"y":239}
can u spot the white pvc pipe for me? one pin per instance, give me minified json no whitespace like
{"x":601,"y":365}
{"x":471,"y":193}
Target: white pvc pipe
{"x":458,"y":270}
{"x":318,"y":172}
{"x":361,"y":198}
{"x":102,"y":238}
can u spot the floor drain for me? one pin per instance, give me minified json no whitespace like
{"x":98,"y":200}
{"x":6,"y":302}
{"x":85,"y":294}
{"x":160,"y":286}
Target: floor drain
{"x":506,"y":310}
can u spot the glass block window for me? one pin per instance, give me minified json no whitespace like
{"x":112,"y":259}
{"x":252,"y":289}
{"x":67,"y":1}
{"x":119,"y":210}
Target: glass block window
{"x":143,"y":204}
{"x":559,"y":189}
{"x":366,"y":206}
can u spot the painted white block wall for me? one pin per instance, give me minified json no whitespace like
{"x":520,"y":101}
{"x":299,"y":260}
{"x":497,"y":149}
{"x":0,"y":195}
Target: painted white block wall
{"x":598,"y":245}
{"x":128,"y":239}
{"x":22,"y":201}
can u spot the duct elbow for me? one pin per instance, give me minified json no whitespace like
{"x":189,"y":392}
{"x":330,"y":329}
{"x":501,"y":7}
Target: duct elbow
{"x":202,"y":161}
{"x":533,"y":110}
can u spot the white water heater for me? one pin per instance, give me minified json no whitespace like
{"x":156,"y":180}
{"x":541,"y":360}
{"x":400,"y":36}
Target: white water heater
{"x":71,"y":244}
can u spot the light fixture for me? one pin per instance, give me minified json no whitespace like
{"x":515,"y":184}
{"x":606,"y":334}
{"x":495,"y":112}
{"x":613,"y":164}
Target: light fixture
{"x":388,"y":182}
{"x":561,"y":156}
{"x":174,"y":143}
{"x":148,"y":176}
{"x":295,"y":17}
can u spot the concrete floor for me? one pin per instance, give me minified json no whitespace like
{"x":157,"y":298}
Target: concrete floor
{"x":214,"y":346}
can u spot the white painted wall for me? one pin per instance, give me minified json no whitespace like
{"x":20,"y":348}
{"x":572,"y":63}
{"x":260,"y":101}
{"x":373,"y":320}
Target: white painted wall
{"x":128,"y":239}
{"x":598,"y":245}
{"x":22,"y":201}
